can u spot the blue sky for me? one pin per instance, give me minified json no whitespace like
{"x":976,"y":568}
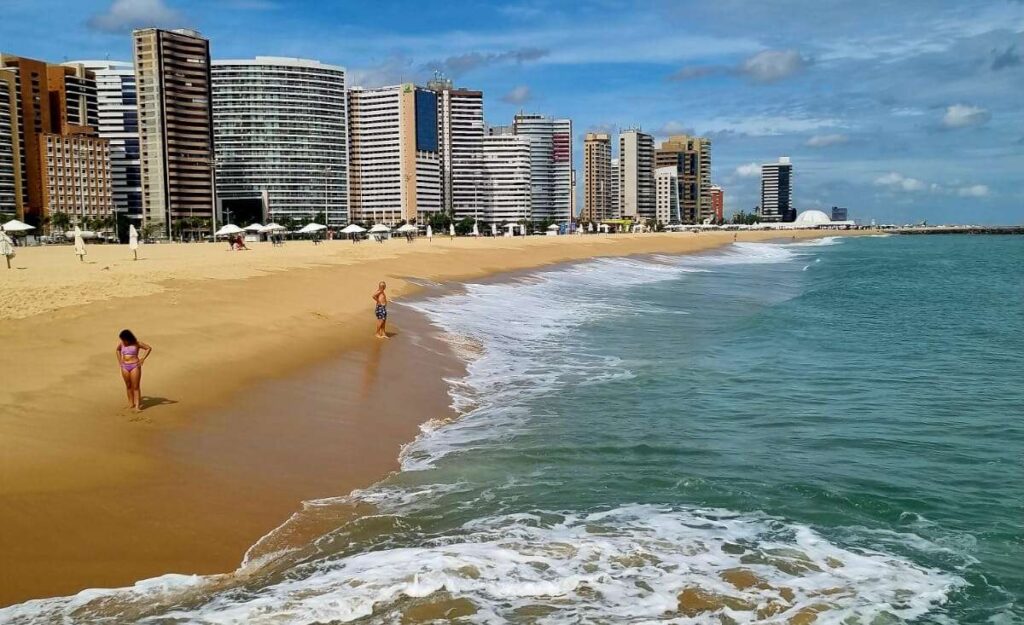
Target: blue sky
{"x":902,"y":111}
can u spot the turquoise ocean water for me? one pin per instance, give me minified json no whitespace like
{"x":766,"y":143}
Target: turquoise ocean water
{"x":830,"y":430}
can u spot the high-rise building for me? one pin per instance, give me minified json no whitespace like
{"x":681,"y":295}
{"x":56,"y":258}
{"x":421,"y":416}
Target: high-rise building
{"x":718,"y":204}
{"x":637,"y":196}
{"x":63,"y":166}
{"x":118,"y":123}
{"x":172,"y":78}
{"x":597,"y":177}
{"x":666,"y":182}
{"x":691,"y":156}
{"x":460,"y":127}
{"x":777,"y":191}
{"x":505,"y":182}
{"x":840,"y":213}
{"x":10,"y":148}
{"x":394,"y":169}
{"x":281,"y":130}
{"x":551,"y":171}
{"x":616,"y":186}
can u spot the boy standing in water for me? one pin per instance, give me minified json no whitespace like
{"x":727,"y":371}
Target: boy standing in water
{"x":381,"y":310}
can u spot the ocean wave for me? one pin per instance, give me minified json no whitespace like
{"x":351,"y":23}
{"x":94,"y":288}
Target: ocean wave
{"x":634,"y":563}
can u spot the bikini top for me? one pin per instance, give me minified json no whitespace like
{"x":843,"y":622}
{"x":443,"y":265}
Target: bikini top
{"x":129,"y":350}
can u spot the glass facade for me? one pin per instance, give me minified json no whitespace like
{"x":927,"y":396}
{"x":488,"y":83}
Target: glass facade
{"x":426,"y":121}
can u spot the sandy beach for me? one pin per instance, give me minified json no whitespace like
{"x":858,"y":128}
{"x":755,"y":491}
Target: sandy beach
{"x":231,"y":440}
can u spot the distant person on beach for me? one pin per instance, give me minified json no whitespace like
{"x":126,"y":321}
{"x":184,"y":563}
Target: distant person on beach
{"x":131,"y":353}
{"x":381,"y":310}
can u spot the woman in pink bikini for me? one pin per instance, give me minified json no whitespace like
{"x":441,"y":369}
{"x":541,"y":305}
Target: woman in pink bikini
{"x":131,"y":353}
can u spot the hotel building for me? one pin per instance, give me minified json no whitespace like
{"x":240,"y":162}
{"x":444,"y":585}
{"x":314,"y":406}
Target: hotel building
{"x":777,"y":191}
{"x":597,"y":177}
{"x":551,"y":172}
{"x":460,"y":131}
{"x":691,"y":156}
{"x":636,"y":175}
{"x":394,"y":169}
{"x":281,"y":130}
{"x":118,"y":123}
{"x":172,"y":78}
{"x":718,"y":203}
{"x":10,"y":148}
{"x":666,"y":182}
{"x":616,"y":185}
{"x":505,"y":183}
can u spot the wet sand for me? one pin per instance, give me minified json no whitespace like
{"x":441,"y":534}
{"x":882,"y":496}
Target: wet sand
{"x":265,"y":389}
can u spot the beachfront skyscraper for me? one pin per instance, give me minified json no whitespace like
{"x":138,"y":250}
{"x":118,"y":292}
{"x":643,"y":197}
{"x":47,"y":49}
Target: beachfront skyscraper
{"x":551,"y":173}
{"x":666,"y":183}
{"x":460,"y":133}
{"x":505,"y":191}
{"x":172,"y":77}
{"x":718,"y":203}
{"x":281,"y":130}
{"x":616,"y":185}
{"x":597,"y":177}
{"x":777,"y":191}
{"x":394,"y":169}
{"x":118,"y":123}
{"x":637,"y":197}
{"x":10,"y":148}
{"x":691,"y":156}
{"x":62,"y":165}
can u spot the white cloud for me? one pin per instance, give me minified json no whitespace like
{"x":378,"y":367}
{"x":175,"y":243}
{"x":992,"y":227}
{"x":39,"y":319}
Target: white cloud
{"x":766,"y":125}
{"x":963,"y":116}
{"x":518,"y":95}
{"x":124,"y":15}
{"x":899,"y":182}
{"x":976,"y":190}
{"x":749,"y":170}
{"x":824,"y":141}
{"x":773,"y":65}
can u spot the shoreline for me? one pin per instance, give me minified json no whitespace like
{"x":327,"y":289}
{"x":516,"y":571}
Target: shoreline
{"x":94,"y":496}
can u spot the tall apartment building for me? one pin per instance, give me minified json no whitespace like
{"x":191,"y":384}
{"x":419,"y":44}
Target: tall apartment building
{"x":691,"y":156}
{"x":505,"y":183}
{"x":118,"y":123}
{"x":62,"y":165}
{"x":718,"y":203}
{"x":551,"y":171}
{"x":777,"y":191}
{"x":597,"y":177}
{"x":10,"y":148}
{"x":394,"y":169}
{"x":460,"y":130}
{"x":636,"y":175}
{"x":172,"y":78}
{"x":616,"y":186}
{"x":281,"y":130}
{"x":666,"y":183}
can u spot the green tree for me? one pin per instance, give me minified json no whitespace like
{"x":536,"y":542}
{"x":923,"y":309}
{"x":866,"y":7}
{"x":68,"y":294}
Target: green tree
{"x":464,"y":225}
{"x":60,"y":222}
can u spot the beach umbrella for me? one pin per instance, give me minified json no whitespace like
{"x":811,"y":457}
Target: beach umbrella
{"x":408,"y":228}
{"x":353,"y":229}
{"x":312,"y":227}
{"x":451,"y":230}
{"x":17,"y":226}
{"x":272,"y":227}
{"x":133,"y":241}
{"x":6,"y":247}
{"x":79,"y":244}
{"x":494,"y":230}
{"x":476,"y":230}
{"x":379,"y":228}
{"x":256,"y":227}
{"x":228,"y":229}
{"x":430,"y":232}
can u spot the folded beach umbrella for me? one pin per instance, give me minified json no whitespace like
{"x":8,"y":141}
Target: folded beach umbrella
{"x":430,"y":232}
{"x":476,"y":230}
{"x":312,"y":227}
{"x":228,"y":229}
{"x":451,"y":230}
{"x":494,"y":230}
{"x":16,"y":226}
{"x":6,"y":247}
{"x":133,"y":241}
{"x":353,"y":229}
{"x":79,"y":244}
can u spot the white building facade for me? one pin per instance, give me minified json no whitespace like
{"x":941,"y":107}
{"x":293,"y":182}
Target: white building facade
{"x":281,"y":130}
{"x":505,"y":180}
{"x":636,"y":175}
{"x":551,"y":170}
{"x":460,"y":127}
{"x":666,"y":183}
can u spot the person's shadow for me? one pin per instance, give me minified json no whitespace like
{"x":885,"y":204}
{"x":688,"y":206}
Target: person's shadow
{"x":153,"y":402}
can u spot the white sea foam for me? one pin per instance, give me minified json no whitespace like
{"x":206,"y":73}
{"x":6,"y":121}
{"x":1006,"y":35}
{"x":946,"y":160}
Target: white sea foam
{"x":629,"y":564}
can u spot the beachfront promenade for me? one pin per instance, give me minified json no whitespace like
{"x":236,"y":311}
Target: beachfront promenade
{"x":227,"y":444}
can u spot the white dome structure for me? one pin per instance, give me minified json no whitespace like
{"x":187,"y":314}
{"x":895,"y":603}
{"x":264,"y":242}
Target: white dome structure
{"x":811,"y":219}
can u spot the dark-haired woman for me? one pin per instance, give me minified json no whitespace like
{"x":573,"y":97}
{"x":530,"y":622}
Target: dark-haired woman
{"x":131,"y":353}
